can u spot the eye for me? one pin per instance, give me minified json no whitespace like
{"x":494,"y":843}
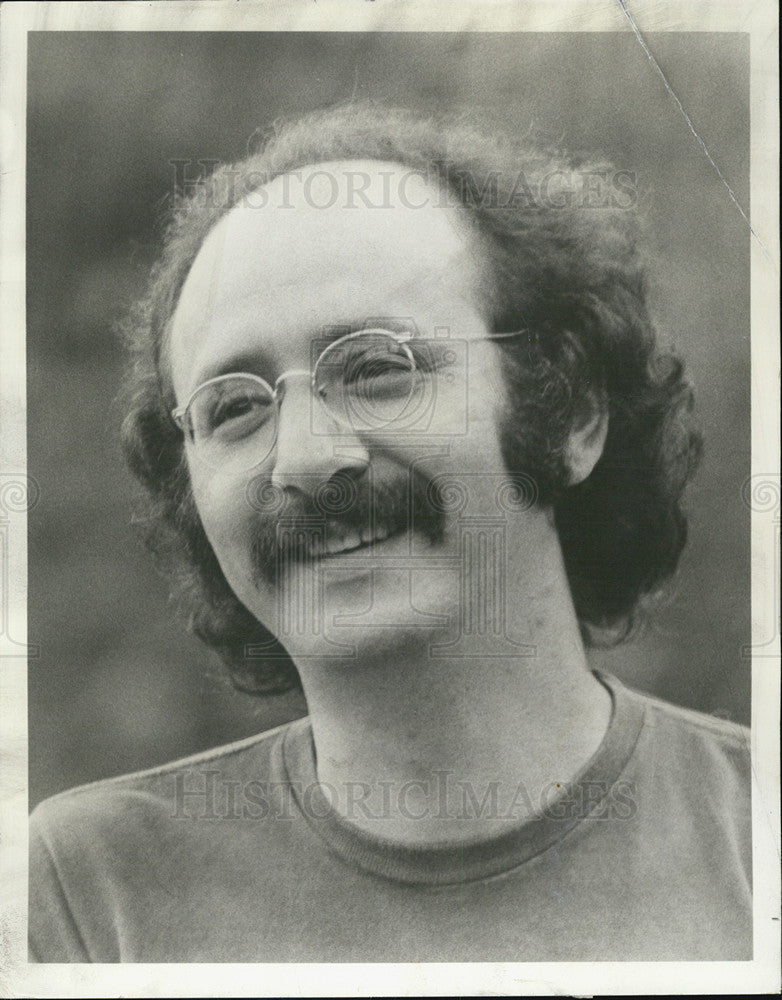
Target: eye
{"x":377,"y":368}
{"x":377,"y":361}
{"x":231,"y":409}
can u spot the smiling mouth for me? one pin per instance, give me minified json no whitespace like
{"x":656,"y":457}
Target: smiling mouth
{"x":374,"y":528}
{"x":304,"y":544}
{"x":351,"y":541}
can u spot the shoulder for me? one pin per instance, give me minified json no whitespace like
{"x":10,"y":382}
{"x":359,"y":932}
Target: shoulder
{"x":155,"y":794}
{"x":687,"y":749}
{"x":694,"y":728}
{"x":105,"y":858}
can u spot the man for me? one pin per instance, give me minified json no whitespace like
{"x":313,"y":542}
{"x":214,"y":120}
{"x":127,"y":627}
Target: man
{"x":409,"y":442}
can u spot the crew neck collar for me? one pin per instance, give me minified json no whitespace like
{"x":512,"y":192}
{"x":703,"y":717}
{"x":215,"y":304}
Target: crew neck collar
{"x":467,"y":860}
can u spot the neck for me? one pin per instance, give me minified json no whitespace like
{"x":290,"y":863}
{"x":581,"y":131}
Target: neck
{"x":420,"y":748}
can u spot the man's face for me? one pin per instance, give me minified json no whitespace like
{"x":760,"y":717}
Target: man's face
{"x":345,"y":535}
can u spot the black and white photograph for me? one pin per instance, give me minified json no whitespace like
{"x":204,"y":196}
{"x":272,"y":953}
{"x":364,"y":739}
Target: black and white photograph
{"x":390,"y":498}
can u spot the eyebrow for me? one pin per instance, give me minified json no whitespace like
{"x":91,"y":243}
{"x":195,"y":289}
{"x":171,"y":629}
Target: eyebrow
{"x":257,"y":361}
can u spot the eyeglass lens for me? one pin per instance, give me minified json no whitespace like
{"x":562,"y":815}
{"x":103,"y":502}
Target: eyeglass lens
{"x":369,"y":383}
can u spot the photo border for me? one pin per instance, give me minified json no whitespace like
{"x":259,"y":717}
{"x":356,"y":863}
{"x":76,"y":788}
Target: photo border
{"x":762,"y":493}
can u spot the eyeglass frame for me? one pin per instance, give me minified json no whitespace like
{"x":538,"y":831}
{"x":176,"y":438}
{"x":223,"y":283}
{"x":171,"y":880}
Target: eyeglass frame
{"x":401,"y":338}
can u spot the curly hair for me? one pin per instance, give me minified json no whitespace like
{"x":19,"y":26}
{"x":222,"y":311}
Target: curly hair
{"x":569,"y":272}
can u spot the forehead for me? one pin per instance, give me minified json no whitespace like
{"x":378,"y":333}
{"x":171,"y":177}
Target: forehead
{"x":329,"y":245}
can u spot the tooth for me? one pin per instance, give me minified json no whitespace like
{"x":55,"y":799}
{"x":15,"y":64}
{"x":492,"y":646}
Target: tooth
{"x":334,"y":545}
{"x":381,"y":532}
{"x":366,"y":535}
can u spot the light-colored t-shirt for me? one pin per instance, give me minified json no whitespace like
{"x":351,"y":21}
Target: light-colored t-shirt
{"x":235,"y":855}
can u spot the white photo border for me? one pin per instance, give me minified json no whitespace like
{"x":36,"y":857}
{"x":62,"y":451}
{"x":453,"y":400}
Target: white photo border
{"x":759,"y":20}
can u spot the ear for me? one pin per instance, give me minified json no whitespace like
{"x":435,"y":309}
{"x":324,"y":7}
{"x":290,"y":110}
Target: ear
{"x":586,"y":442}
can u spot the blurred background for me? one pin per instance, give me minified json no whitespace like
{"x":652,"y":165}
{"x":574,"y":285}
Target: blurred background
{"x":112,"y":116}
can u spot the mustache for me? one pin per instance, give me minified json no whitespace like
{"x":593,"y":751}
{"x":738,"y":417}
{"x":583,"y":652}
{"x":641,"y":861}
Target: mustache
{"x":296,"y":526}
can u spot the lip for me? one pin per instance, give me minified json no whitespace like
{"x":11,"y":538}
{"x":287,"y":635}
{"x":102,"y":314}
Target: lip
{"x":364,"y":547}
{"x":349,"y":565}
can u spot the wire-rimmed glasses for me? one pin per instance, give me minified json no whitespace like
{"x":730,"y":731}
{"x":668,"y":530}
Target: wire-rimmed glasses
{"x":373,"y":381}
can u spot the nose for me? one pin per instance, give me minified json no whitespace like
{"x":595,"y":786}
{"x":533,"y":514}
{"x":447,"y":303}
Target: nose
{"x":311,"y":447}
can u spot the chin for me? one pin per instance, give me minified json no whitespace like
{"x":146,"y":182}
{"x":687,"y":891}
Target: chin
{"x":374,"y":598}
